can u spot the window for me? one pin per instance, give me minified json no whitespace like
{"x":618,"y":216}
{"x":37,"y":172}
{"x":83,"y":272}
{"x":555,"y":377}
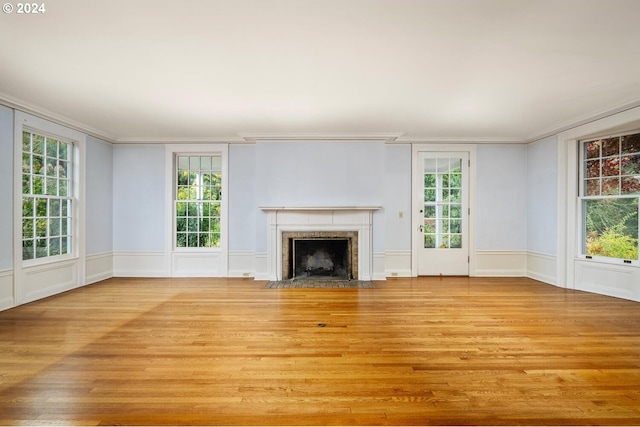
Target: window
{"x":443,"y":203}
{"x":46,"y":196}
{"x":609,"y":196}
{"x":198,"y":196}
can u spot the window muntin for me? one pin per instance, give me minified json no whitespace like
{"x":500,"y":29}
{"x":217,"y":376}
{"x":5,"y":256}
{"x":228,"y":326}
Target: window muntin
{"x":198,"y":196}
{"x":443,"y":203}
{"x":46,"y":199}
{"x":610,"y":192}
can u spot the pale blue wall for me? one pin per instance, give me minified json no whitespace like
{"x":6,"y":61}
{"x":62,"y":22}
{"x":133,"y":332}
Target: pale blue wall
{"x":397,"y":188}
{"x":99,"y":195}
{"x":6,"y":188}
{"x":242,"y":204}
{"x":515,"y":202}
{"x":501,"y":197}
{"x":288,"y":173}
{"x":138,"y":197}
{"x":320,"y":173}
{"x":542,"y":193}
{"x":516,"y":199}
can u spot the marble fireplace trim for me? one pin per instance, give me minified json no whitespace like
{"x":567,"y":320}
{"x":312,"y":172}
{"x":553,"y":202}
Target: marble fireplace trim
{"x":357,"y":219}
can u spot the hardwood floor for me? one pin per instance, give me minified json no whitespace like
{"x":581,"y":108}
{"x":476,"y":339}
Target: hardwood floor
{"x":411,"y":351}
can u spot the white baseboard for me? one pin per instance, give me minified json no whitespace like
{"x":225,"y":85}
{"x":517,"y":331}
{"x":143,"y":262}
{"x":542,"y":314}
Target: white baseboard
{"x":542,"y":267}
{"x":98,"y":267}
{"x":6,"y":289}
{"x":242,"y":264}
{"x":378,"y":266}
{"x":501,"y":264}
{"x":139,"y":264}
{"x":262,"y":266}
{"x":397,"y":263}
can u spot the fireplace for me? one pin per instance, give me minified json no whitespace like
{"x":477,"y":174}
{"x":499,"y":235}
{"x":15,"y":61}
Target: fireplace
{"x":320,"y":254}
{"x":350,"y":223}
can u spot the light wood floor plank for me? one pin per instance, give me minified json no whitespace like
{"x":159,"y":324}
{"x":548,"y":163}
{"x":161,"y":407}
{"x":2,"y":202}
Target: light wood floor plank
{"x":480,"y":351}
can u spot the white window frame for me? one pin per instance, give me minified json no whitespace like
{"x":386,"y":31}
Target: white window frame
{"x":195,"y":262}
{"x":42,"y":277}
{"x":70,"y":196}
{"x":176,"y":201}
{"x":582,"y":197}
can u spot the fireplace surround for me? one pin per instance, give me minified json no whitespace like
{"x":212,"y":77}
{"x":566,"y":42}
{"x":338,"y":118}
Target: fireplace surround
{"x":352,"y":223}
{"x":329,"y":254}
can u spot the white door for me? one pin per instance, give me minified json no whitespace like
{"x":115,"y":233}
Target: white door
{"x":444,"y":214}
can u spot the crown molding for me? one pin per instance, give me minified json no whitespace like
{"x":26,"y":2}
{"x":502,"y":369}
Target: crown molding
{"x":312,"y":136}
{"x":43,"y":113}
{"x":580,"y":121}
{"x":180,"y":140}
{"x":253,"y":137}
{"x":461,"y":140}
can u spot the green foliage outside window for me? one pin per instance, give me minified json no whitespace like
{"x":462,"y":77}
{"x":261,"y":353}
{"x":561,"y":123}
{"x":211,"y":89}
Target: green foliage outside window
{"x":442,"y":226}
{"x":612,"y":228}
{"x":46,"y":202}
{"x":198,"y":201}
{"x":611,"y":171}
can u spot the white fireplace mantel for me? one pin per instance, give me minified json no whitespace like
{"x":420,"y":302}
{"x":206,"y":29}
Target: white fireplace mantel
{"x":320,"y":208}
{"x":320,"y":218}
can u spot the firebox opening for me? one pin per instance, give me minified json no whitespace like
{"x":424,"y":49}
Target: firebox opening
{"x":321,"y":258}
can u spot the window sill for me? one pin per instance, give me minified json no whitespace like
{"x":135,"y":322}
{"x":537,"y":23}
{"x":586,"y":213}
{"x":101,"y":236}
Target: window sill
{"x":608,"y":261}
{"x":43,"y":262}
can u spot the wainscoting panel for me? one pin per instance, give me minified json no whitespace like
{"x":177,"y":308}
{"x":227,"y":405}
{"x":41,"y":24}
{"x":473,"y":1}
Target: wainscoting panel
{"x":198,"y":264}
{"x":608,"y":279}
{"x":99,"y":267}
{"x":262,"y":266}
{"x":542,"y":267}
{"x":139,"y":264}
{"x":42,"y":281}
{"x":6,"y":289}
{"x":378,"y":259}
{"x":501,"y":264}
{"x":242,"y":264}
{"x":397,"y":263}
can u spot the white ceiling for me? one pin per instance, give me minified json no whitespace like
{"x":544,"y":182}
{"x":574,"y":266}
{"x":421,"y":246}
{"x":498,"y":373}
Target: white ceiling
{"x":503,"y":70}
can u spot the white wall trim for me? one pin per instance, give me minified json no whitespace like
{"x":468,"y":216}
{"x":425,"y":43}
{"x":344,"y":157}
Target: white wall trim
{"x":242,"y":264}
{"x":387,"y":137}
{"x":262,"y":266}
{"x":542,"y":267}
{"x":99,"y":267}
{"x":378,"y":266}
{"x":6,"y":289}
{"x":397,"y":263}
{"x":620,"y":281}
{"x":198,"y":264}
{"x":601,"y":278}
{"x":416,"y":203}
{"x":20,"y":105}
{"x":501,"y":263}
{"x":139,"y":264}
{"x":45,"y":278}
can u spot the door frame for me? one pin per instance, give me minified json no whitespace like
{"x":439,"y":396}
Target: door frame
{"x":417,"y":198}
